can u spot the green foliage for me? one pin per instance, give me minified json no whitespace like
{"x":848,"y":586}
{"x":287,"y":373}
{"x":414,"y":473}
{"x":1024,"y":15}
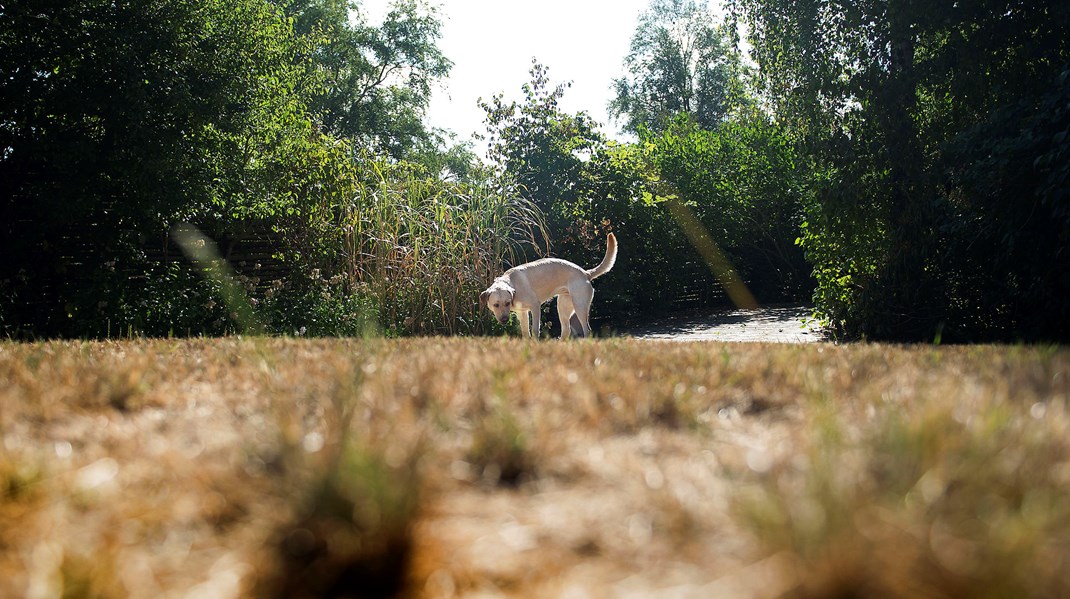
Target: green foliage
{"x":1010,"y":188}
{"x":653,"y":248}
{"x":907,"y":110}
{"x":741,"y":180}
{"x":318,"y":307}
{"x":745,"y":186}
{"x":373,"y":81}
{"x":121,"y":122}
{"x":680,"y":62}
{"x":543,"y":149}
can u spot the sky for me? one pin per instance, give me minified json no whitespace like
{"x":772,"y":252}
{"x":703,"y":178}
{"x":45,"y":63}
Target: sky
{"x":492,"y":43}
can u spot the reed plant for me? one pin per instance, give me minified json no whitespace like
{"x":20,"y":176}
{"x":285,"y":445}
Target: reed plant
{"x":422,"y":247}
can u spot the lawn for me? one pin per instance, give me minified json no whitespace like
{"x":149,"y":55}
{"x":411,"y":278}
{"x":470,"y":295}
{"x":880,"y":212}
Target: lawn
{"x":448,"y":467}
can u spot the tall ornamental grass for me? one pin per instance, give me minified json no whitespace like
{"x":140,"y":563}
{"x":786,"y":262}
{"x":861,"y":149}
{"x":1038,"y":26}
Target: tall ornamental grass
{"x":422,"y":248}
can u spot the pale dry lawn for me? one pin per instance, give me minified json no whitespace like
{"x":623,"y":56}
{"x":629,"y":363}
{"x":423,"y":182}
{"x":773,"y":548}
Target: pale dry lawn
{"x":497,"y":467}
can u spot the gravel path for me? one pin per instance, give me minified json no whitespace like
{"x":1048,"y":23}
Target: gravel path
{"x":774,"y":324}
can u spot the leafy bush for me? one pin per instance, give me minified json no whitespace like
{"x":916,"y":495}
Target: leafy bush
{"x":319,"y":307}
{"x":1008,"y":233}
{"x":745,"y":185}
{"x":741,"y":182}
{"x":940,"y":134}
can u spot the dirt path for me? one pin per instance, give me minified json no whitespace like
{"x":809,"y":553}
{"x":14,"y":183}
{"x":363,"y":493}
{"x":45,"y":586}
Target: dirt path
{"x":774,"y":324}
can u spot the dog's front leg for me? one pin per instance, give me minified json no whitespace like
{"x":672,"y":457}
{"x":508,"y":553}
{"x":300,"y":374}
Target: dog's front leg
{"x":522,"y":317}
{"x":536,"y":316}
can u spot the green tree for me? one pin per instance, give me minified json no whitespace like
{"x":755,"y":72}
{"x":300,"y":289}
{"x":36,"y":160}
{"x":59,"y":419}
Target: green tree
{"x":544,"y":150}
{"x":880,"y":95}
{"x":680,"y":61}
{"x":373,"y":82}
{"x":585,"y":185}
{"x":119,"y":120}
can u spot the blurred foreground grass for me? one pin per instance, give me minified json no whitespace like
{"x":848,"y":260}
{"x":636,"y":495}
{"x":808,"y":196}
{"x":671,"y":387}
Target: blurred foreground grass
{"x":496,"y":467}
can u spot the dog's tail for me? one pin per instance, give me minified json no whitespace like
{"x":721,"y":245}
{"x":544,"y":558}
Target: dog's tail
{"x":607,"y":262}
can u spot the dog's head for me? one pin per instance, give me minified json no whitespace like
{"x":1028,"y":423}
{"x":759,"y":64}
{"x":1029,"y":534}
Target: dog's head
{"x":499,"y":299}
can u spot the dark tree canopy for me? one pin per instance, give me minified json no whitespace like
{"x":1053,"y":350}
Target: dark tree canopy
{"x":120,"y":120}
{"x":917,"y":152}
{"x":903,"y":108}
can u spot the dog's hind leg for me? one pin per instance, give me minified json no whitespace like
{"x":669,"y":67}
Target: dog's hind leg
{"x":565,"y":313}
{"x":575,"y":326}
{"x":582,"y":296}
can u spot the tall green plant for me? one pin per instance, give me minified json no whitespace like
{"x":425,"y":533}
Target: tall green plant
{"x":544,"y":149}
{"x":424,"y":248}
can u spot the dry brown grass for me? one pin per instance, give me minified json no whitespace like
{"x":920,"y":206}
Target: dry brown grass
{"x":496,"y":467}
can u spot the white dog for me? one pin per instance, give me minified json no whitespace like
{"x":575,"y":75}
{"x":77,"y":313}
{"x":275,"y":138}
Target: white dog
{"x":523,"y":289}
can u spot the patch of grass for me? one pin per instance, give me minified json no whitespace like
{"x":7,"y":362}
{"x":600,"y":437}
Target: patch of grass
{"x":20,"y":482}
{"x":500,"y":451}
{"x":90,"y":575}
{"x":301,"y":467}
{"x":955,"y":496}
{"x":351,"y":533}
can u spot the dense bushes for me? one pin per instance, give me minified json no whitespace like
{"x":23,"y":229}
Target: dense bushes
{"x":119,"y":122}
{"x":745,"y":187}
{"x":918,"y":151}
{"x":422,"y":248}
{"x":938,"y":135}
{"x":693,"y":208}
{"x":1008,"y":220}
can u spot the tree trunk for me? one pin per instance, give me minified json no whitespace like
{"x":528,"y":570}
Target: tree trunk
{"x":910,"y":300}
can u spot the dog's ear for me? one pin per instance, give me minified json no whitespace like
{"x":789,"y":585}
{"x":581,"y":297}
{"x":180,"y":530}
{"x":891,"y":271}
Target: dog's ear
{"x":483,"y":299}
